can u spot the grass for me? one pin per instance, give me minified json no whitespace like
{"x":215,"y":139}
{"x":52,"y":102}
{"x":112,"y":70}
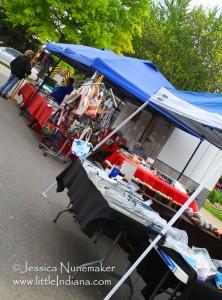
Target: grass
{"x":215,"y":212}
{"x":215,"y":197}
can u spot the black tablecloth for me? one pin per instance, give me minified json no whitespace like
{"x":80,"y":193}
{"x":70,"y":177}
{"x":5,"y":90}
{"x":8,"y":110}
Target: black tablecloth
{"x":194,"y":290}
{"x":88,"y":204}
{"x":93,"y":213}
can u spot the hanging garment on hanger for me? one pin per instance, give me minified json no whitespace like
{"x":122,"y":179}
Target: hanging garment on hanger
{"x":94,"y":104}
{"x":86,"y":95}
{"x":105,"y":118}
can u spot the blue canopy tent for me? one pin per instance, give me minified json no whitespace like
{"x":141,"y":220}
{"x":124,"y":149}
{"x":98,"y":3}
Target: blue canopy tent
{"x":78,"y":55}
{"x":138,"y":77}
{"x":141,"y":80}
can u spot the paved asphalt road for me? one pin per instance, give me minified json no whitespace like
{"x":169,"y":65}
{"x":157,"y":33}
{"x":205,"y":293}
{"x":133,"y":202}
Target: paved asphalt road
{"x":27,"y":233}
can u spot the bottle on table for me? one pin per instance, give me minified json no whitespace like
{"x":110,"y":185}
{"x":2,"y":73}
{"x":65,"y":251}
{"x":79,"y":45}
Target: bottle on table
{"x":114,"y":171}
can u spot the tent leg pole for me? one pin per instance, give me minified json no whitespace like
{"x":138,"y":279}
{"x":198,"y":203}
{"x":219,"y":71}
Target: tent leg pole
{"x":29,"y":101}
{"x":146,"y":129}
{"x":187,"y":164}
{"x":44,"y":194}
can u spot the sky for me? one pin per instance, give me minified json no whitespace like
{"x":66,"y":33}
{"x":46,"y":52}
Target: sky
{"x":208,"y":3}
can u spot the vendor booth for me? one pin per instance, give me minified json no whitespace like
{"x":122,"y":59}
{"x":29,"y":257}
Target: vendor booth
{"x":116,"y":191}
{"x":135,"y":80}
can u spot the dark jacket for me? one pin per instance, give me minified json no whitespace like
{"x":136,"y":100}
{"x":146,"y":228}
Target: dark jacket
{"x":60,"y":92}
{"x":21,"y":66}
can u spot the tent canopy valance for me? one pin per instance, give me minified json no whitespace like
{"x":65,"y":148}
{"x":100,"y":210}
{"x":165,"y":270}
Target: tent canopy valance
{"x":196,"y":113}
{"x":201,"y":112}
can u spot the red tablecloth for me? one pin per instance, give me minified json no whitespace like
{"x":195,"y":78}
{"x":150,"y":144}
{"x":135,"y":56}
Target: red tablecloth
{"x":38,"y":107}
{"x":153,"y":181}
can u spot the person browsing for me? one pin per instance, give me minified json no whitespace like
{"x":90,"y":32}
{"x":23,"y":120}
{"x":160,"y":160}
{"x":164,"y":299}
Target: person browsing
{"x":58,"y":93}
{"x":20,"y":68}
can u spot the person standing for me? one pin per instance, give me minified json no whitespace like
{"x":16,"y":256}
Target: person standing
{"x":20,"y":68}
{"x":59,"y":92}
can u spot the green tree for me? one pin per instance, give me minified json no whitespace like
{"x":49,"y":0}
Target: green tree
{"x":16,"y":36}
{"x":107,"y":24}
{"x":184,"y":43}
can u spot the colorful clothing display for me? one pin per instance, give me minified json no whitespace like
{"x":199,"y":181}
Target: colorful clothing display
{"x":90,"y":106}
{"x":106,"y":116}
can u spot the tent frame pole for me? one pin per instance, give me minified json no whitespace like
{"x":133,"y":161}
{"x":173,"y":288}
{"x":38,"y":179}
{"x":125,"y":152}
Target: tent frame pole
{"x":187,"y":164}
{"x":29,"y":101}
{"x":144,"y":133}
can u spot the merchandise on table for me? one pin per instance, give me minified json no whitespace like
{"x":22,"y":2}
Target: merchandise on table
{"x":200,"y":221}
{"x":149,"y":180}
{"x":198,"y":258}
{"x":123,"y":197}
{"x":86,"y":186}
{"x":218,"y":280}
{"x":114,"y":172}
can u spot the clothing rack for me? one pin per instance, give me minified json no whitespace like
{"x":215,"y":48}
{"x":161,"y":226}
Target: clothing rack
{"x":50,"y":144}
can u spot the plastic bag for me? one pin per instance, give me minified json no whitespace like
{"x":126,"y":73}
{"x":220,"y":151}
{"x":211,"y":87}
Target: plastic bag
{"x":218,"y":280}
{"x":204,"y":266}
{"x":177,"y":240}
{"x":81,"y":147}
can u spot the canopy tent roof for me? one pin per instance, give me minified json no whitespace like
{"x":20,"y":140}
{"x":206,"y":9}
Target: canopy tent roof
{"x":139,"y":77}
{"x":77,"y":53}
{"x":202,"y":112}
{"x":142,"y":80}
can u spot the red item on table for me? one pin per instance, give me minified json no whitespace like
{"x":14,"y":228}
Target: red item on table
{"x":113,"y":144}
{"x":37,"y":107}
{"x":146,"y":177}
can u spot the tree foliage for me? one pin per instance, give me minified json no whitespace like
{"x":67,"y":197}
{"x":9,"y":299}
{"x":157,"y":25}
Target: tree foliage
{"x":185,"y":44}
{"x":16,"y":37}
{"x":107,"y":24}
